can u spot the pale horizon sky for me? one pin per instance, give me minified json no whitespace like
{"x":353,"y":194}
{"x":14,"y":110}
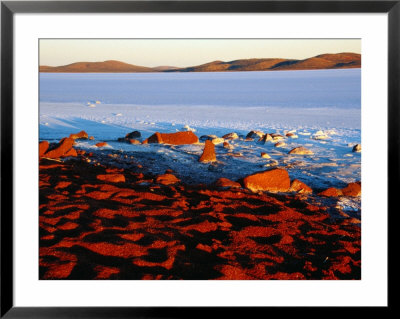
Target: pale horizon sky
{"x":185,"y":52}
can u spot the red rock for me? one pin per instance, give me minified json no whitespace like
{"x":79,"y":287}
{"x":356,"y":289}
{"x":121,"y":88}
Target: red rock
{"x":91,"y":137}
{"x":80,"y":152}
{"x":225,"y":182}
{"x":102,"y":144}
{"x":112,"y":178}
{"x":71,"y":152}
{"x":178,"y":138}
{"x":43,"y":147}
{"x":155,"y":138}
{"x":133,"y":141}
{"x":167,"y":179}
{"x":208,"y":153}
{"x":300,"y":187}
{"x":61,"y":148}
{"x":331,"y":192}
{"x":80,"y":135}
{"x":352,"y":189}
{"x":275,"y":180}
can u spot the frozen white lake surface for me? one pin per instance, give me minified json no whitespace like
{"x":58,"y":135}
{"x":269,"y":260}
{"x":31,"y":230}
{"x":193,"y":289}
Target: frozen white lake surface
{"x":315,"y":89}
{"x":216,"y":103}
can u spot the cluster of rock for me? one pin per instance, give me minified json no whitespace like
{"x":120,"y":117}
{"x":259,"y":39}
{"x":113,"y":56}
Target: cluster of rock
{"x":273,"y":180}
{"x":352,"y":189}
{"x":62,"y":149}
{"x":260,"y":136}
{"x":188,"y":137}
{"x":278,"y":180}
{"x":263,"y":138}
{"x":278,"y":141}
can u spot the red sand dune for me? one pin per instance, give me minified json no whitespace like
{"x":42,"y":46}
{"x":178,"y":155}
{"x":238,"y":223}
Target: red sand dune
{"x":93,"y":228}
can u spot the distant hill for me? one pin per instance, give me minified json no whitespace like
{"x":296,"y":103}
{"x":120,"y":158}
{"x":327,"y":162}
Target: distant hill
{"x":324,"y":61}
{"x":110,"y":66}
{"x":237,"y":65}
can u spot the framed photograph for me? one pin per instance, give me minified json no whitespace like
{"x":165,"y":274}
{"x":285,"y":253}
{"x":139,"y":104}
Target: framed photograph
{"x":173,"y":158}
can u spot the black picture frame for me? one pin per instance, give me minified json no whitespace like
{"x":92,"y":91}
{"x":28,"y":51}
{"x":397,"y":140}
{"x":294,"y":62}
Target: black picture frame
{"x":9,"y":8}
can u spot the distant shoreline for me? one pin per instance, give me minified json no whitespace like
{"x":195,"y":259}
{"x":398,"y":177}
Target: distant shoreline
{"x":319,"y":62}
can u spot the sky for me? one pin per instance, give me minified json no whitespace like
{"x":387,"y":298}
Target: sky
{"x":185,"y":52}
